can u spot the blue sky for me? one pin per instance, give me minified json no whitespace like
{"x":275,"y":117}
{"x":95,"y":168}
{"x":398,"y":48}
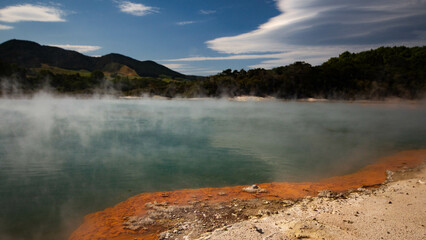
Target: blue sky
{"x":204,"y":37}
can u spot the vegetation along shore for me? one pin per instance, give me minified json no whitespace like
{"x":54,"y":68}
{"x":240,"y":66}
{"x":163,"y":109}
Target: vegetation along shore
{"x":387,"y":72}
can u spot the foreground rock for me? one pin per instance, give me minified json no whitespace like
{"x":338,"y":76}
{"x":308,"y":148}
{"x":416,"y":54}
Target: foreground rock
{"x":254,"y":189}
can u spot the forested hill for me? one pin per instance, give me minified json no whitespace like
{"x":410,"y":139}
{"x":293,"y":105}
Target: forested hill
{"x":33,"y":55}
{"x":376,"y":74}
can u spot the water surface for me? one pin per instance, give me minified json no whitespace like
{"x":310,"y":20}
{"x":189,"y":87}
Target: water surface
{"x":63,"y":158}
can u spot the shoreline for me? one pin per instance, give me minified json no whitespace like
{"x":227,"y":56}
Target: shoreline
{"x":148,"y":215}
{"x":250,"y":98}
{"x":241,"y":98}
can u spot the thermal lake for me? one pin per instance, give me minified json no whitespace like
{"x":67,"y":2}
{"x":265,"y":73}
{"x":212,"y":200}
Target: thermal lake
{"x":62,"y":158}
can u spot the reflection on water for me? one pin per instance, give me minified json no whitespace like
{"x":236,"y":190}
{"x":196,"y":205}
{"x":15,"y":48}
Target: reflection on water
{"x":63,"y":158}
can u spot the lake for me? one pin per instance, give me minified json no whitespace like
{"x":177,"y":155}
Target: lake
{"x":62,"y":158}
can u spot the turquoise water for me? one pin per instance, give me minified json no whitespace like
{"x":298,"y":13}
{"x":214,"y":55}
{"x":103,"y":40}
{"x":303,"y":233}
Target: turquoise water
{"x":61,"y":158}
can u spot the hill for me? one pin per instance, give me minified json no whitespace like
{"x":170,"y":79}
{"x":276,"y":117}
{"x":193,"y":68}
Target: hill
{"x":29,"y":54}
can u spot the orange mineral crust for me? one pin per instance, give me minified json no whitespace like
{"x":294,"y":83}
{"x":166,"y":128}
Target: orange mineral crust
{"x":108,"y":224}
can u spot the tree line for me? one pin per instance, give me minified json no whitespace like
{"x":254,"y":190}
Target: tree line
{"x":375,"y":74}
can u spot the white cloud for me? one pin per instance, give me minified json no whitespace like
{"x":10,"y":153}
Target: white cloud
{"x":314,"y":31}
{"x":29,"y":12}
{"x":136,"y":9}
{"x":181,"y":67}
{"x":189,"y":70}
{"x":5,"y":27}
{"x":185,"y":23}
{"x":78,"y":48}
{"x":231,"y":57}
{"x":207,"y":12}
{"x":175,"y":65}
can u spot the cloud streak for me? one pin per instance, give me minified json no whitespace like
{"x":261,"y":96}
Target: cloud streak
{"x":314,"y":31}
{"x":29,"y":12}
{"x":5,"y":27}
{"x":136,"y":9}
{"x":231,"y":57}
{"x":207,"y":12}
{"x":78,"y":48}
{"x":315,"y":55}
{"x":188,"y":69}
{"x":185,"y":23}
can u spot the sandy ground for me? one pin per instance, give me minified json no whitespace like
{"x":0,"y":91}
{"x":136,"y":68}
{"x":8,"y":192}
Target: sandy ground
{"x":396,"y":210}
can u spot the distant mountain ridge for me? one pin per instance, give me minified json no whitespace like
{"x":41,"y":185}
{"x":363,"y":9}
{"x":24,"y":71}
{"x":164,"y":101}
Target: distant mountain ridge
{"x":30,"y":54}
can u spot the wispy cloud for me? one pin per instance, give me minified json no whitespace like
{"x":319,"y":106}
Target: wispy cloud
{"x":231,"y":57}
{"x":29,"y":12}
{"x":136,"y":9}
{"x":314,"y":55}
{"x":78,"y":48}
{"x":5,"y":27}
{"x":188,"y":69}
{"x":185,"y":23}
{"x":327,"y":28}
{"x":175,"y":66}
{"x":330,"y":22}
{"x":207,"y":12}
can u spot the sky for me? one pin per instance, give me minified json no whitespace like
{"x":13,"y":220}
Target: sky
{"x":204,"y":37}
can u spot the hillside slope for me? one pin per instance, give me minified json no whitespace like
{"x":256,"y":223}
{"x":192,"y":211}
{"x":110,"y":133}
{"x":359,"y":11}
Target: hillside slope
{"x":32,"y":55}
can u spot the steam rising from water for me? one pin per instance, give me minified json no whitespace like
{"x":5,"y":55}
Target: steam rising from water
{"x":61,"y":158}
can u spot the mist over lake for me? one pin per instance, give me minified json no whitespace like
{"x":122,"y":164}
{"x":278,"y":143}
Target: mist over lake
{"x":62,"y":158}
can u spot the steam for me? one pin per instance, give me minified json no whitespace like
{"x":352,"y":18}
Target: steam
{"x":63,"y":157}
